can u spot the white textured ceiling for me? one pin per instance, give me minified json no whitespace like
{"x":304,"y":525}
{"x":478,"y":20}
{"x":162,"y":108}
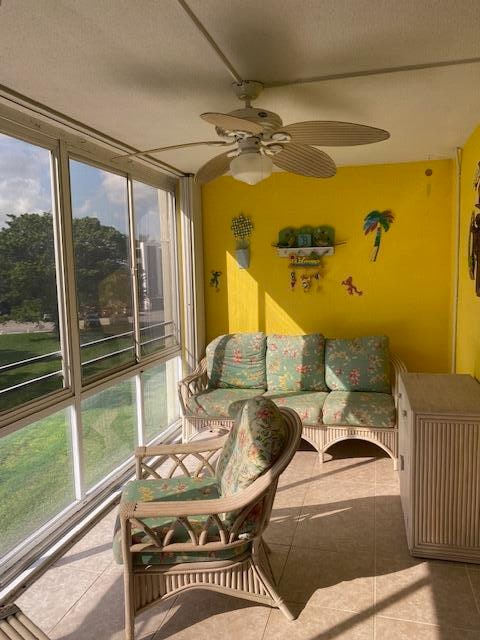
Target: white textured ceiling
{"x":139,"y":70}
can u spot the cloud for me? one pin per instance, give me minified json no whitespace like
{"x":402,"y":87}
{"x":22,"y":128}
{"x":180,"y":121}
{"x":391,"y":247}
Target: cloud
{"x":25,"y":184}
{"x":115,"y":188}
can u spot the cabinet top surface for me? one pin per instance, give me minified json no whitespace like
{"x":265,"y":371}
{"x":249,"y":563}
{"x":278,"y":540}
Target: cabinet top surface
{"x":440,"y":393}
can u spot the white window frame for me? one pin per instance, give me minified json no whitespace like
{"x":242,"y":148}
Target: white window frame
{"x":64,"y":145}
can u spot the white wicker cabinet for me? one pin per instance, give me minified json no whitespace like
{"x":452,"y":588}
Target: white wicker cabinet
{"x":439,"y":464}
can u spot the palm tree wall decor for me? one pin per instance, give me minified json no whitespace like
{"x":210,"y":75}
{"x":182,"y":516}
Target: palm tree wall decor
{"x":377,"y":221}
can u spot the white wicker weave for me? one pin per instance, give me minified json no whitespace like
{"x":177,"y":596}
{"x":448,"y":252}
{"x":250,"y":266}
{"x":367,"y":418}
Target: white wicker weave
{"x":320,"y":436}
{"x":247,"y":576}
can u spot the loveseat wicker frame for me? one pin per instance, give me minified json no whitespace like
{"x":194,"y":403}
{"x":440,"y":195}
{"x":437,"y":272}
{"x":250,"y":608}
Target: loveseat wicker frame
{"x":320,"y":436}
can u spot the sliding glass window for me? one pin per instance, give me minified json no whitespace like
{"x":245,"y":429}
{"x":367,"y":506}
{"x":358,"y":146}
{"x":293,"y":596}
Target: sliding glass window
{"x":31,"y":356}
{"x":154,"y":252}
{"x":102,"y":268}
{"x":89,"y":340}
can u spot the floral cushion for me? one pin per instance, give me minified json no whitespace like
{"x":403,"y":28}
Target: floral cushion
{"x":179,"y":488}
{"x":252,"y":446}
{"x":219,"y":403}
{"x":308,"y":404}
{"x":359,"y":408}
{"x":296,"y":363}
{"x":237,"y":360}
{"x":360,"y":364}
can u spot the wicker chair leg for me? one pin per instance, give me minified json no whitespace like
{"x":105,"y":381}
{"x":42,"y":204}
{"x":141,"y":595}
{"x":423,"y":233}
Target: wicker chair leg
{"x":267,"y":583}
{"x":286,"y":611}
{"x":129,"y":608}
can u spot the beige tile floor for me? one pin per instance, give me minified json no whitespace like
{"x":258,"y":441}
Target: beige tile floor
{"x":339,"y":553}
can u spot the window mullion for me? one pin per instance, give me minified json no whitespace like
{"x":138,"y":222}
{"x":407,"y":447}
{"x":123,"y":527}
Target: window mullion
{"x":136,"y":316}
{"x":134,"y":273}
{"x":171,"y":225}
{"x":139,"y":392}
{"x":72,"y":328}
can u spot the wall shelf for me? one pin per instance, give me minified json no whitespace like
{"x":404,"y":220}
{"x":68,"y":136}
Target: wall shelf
{"x":286,"y":252}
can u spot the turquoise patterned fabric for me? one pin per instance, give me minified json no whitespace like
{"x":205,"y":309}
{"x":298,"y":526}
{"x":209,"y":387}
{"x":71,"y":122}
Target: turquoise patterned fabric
{"x":237,"y":360}
{"x":179,"y":488}
{"x":359,"y":408}
{"x":296,"y":363}
{"x":308,"y":404}
{"x":252,"y":446}
{"x":360,"y":364}
{"x":219,"y":403}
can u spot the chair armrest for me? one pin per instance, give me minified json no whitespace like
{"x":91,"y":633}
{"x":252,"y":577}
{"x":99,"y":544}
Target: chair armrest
{"x":136,"y":514}
{"x":200,"y":452}
{"x":182,"y":508}
{"x":195,"y":382}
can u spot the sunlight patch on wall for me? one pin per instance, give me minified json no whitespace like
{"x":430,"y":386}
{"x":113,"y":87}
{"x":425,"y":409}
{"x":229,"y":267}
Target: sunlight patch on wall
{"x":242,"y":297}
{"x":278,"y":320}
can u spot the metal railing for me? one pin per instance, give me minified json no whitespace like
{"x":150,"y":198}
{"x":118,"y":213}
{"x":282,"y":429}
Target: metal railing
{"x":53,"y":355}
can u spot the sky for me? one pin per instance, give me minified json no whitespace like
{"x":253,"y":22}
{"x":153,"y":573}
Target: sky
{"x":24,"y":178}
{"x":25,"y":187}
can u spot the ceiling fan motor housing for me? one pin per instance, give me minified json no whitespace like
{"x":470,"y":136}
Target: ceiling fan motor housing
{"x":267,"y":119}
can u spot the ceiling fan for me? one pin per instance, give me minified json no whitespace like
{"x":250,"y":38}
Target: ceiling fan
{"x":260,"y":140}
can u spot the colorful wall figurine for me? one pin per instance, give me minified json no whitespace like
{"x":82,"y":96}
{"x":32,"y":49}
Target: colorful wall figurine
{"x":377,"y":221}
{"x":474,"y":251}
{"x":242,"y":228}
{"x":476,"y":184}
{"x":293,"y":280}
{"x":215,"y":280}
{"x":307,"y":278}
{"x":350,"y":287}
{"x":474,"y":236}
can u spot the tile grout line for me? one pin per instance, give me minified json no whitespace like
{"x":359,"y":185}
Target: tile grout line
{"x":158,"y":629}
{"x":78,"y":599}
{"x":266,"y":625}
{"x":476,"y":600}
{"x":429,"y":624}
{"x":293,"y":536}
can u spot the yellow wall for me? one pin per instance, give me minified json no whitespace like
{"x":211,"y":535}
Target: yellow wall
{"x":407,"y":291}
{"x":468,"y":328}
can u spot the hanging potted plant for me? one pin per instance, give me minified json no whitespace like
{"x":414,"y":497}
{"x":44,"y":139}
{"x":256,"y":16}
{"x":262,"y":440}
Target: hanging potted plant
{"x":242,"y":228}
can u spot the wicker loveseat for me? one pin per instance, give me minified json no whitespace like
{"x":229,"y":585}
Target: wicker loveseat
{"x":340,"y":388}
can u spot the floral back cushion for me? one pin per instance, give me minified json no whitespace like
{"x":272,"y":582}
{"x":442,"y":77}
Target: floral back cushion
{"x":253,"y":444}
{"x":237,"y":360}
{"x":296,"y":363}
{"x":359,"y":364}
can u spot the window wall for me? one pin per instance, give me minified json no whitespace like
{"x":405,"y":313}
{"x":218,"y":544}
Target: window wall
{"x":89,"y":337}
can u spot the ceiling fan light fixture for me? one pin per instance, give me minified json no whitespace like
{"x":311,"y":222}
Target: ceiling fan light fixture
{"x":252,"y":167}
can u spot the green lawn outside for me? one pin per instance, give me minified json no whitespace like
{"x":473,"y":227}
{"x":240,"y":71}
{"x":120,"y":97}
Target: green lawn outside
{"x":36,"y":477}
{"x":15,"y":347}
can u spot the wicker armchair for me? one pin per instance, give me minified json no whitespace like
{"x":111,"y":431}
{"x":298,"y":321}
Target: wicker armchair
{"x":203,"y":529}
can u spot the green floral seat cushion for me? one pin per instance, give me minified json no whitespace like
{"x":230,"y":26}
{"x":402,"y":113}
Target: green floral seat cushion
{"x":359,"y":408}
{"x":296,"y":363}
{"x":308,"y":404}
{"x":219,"y":403}
{"x":360,"y":364}
{"x":237,"y":360}
{"x":179,"y":488}
{"x":252,"y":446}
